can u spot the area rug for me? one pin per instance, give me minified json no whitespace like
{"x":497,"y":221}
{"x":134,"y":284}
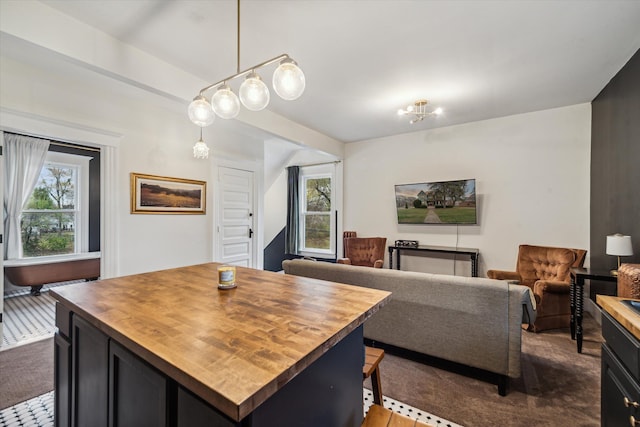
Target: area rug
{"x":26,"y":371}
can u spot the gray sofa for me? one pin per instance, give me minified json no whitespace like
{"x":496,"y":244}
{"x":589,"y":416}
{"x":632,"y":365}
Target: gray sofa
{"x":473,"y":321}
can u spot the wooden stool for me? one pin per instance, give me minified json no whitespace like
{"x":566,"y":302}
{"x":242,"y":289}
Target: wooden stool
{"x":383,"y":417}
{"x":372,"y":357}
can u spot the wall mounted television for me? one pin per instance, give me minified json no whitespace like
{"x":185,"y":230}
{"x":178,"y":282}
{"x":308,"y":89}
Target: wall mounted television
{"x":443,"y":202}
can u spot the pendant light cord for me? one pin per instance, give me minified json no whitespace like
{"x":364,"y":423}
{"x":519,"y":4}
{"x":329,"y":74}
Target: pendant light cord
{"x":238,"y":44}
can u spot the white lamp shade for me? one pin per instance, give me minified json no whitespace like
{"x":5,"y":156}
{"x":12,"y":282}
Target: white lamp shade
{"x":288,"y":80}
{"x":200,"y":111}
{"x":619,"y":245}
{"x":254,"y":94}
{"x":225,"y":103}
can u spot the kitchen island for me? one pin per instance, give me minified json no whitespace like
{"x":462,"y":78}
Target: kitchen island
{"x":170,"y":348}
{"x":620,"y":376}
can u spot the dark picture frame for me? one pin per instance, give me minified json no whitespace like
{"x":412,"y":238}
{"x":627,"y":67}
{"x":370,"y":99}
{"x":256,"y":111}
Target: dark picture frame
{"x":153,"y":194}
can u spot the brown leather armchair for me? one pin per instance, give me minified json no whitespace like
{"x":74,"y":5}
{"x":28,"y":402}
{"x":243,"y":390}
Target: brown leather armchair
{"x":546,"y":270}
{"x":364,"y":251}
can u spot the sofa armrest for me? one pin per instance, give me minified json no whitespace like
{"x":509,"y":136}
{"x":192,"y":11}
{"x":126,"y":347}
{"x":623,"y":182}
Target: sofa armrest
{"x":503,"y":275}
{"x":378,"y":263}
{"x":343,"y":261}
{"x":551,"y":286}
{"x":529,"y":306}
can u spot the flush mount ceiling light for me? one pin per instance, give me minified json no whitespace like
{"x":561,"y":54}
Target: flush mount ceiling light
{"x":419,"y":111}
{"x":288,"y":83}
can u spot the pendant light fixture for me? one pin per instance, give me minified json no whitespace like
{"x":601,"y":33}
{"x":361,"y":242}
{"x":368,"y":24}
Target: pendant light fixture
{"x":288,"y":83}
{"x":200,"y":149}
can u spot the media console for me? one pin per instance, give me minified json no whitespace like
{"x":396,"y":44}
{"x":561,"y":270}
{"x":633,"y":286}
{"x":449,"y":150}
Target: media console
{"x":472,"y":252}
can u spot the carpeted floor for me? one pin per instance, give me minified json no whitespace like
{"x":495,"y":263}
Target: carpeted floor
{"x":26,"y":371}
{"x":558,"y":386}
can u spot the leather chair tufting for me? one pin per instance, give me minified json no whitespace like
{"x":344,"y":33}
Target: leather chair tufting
{"x":546,"y":270}
{"x":629,"y":281}
{"x":364,"y":251}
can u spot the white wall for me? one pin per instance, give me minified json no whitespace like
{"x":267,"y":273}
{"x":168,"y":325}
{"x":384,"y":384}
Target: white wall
{"x":275,"y":208}
{"x":532,"y":185}
{"x":157,"y":139}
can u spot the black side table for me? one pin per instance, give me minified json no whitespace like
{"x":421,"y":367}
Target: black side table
{"x":576,"y":294}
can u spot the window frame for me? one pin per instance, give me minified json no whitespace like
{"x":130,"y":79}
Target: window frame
{"x":81,"y":211}
{"x":316,"y":172}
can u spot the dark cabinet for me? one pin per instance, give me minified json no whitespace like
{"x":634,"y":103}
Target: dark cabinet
{"x":100,"y":383}
{"x":620,"y":387}
{"x":193,"y":412}
{"x":137,"y":392}
{"x":90,"y":375}
{"x":62,"y":370}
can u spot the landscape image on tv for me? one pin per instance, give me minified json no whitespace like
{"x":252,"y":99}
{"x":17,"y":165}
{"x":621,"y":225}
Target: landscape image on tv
{"x":445,"y":202}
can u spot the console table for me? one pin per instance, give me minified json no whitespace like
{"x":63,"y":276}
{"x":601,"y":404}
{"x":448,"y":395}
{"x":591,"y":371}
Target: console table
{"x":576,"y":294}
{"x":472,"y":252}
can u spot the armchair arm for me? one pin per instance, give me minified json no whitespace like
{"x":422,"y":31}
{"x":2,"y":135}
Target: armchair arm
{"x":343,"y":261}
{"x":378,"y":263}
{"x":503,"y":275}
{"x":551,"y":286}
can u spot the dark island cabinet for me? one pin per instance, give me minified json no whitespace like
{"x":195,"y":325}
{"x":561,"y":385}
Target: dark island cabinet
{"x":128,"y":363}
{"x":137,"y":392}
{"x":90,"y":374}
{"x":62,"y":372}
{"x":620,"y":387}
{"x":99,"y":383}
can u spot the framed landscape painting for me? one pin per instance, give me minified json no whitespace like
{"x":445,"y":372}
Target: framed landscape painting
{"x":151,"y":194}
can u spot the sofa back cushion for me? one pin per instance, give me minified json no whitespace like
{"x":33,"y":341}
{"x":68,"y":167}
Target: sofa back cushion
{"x":544,"y":263}
{"x":469,"y":320}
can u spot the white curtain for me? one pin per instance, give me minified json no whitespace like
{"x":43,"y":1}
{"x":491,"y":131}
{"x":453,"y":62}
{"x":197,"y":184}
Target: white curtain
{"x":24,"y":158}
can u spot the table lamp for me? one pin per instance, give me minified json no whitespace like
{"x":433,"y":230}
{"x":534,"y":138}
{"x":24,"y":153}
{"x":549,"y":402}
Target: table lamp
{"x":619,"y":245}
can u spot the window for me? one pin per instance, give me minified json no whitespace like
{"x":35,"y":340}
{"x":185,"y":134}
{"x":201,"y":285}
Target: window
{"x":317,"y":211}
{"x":55,"y":220}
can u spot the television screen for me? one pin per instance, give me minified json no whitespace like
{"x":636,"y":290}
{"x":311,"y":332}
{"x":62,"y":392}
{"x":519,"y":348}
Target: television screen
{"x":444,"y":202}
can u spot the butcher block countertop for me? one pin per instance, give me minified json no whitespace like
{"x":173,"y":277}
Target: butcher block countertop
{"x":233,"y":348}
{"x":625,"y":315}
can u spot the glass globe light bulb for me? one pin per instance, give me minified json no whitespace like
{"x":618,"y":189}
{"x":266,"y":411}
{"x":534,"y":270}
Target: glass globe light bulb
{"x":225,"y":103}
{"x":200,"y":111}
{"x":254,"y":94}
{"x":288,"y":80}
{"x":200,"y":150}
{"x":437,"y":111}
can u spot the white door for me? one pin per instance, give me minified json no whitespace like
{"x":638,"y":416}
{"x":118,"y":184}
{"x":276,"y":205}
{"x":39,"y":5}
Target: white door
{"x":235,"y":217}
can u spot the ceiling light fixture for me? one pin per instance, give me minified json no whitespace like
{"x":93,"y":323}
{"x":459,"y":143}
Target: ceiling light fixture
{"x":419,"y":110}
{"x":200,"y":149}
{"x":288,"y":83}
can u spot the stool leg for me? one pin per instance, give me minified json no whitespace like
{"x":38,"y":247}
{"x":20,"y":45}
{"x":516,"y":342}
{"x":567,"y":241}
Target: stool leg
{"x":375,"y":386}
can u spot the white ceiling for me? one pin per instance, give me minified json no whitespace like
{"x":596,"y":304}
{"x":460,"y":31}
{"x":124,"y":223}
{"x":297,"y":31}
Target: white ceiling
{"x":365,"y":59}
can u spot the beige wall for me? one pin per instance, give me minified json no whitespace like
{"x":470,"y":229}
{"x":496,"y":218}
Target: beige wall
{"x":532,"y":185}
